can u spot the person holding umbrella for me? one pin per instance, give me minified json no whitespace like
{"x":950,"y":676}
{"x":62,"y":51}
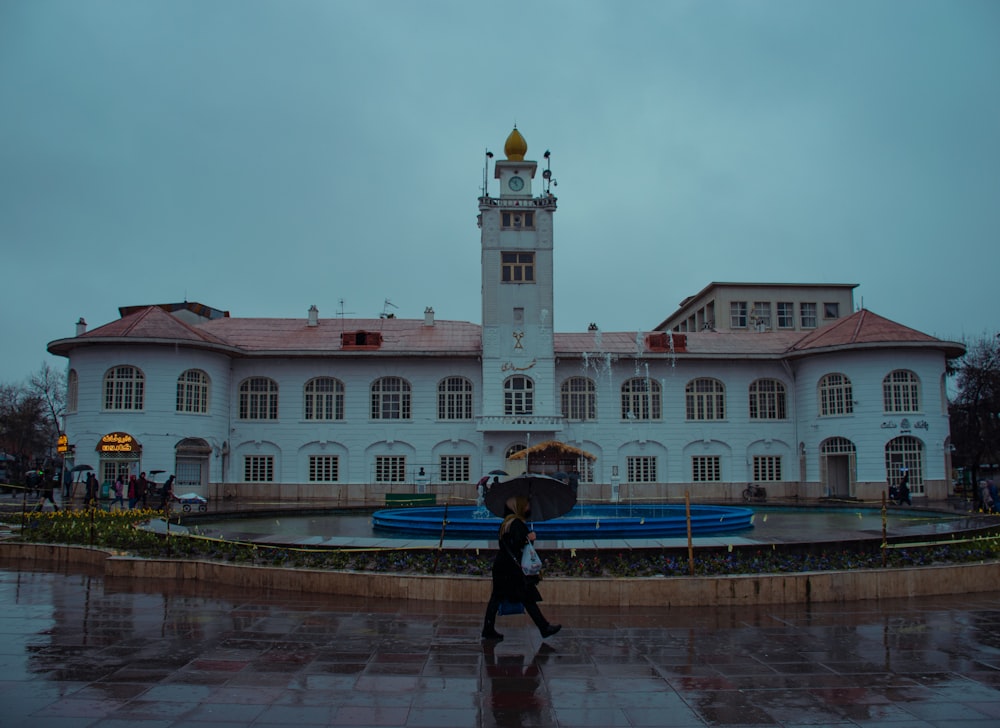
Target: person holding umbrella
{"x":509,"y":581}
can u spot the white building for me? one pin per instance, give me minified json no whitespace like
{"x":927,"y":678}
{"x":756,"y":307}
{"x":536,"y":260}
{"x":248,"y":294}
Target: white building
{"x":354,"y":408}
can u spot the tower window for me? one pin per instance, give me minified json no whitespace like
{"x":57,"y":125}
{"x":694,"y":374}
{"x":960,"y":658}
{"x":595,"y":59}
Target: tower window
{"x":517,"y":267}
{"x":517,"y":220}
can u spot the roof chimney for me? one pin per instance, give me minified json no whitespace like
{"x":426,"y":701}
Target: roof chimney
{"x":428,"y":316}
{"x":81,"y":327}
{"x":313,"y":315}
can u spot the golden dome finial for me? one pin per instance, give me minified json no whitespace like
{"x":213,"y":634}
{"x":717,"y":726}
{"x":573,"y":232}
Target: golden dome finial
{"x":515,"y":147}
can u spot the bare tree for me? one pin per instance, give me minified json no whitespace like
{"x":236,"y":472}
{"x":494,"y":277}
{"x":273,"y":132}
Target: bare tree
{"x":975,"y":411}
{"x":25,"y":428}
{"x":49,"y":386}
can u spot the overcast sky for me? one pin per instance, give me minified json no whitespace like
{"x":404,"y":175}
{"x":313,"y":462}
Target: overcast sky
{"x":260,"y":157}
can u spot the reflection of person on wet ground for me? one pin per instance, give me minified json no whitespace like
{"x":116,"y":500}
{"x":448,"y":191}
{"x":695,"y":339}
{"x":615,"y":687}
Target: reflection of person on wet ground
{"x":514,"y":687}
{"x":509,"y":582}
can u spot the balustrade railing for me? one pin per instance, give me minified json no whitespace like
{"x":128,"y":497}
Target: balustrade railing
{"x":519,"y":423}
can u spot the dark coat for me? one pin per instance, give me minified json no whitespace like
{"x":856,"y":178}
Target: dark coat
{"x":509,"y":581}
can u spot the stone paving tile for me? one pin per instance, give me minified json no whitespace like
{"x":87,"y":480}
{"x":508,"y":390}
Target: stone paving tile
{"x":76,"y":650}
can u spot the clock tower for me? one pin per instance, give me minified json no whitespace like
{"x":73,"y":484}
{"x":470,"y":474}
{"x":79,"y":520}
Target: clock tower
{"x":520,"y":395}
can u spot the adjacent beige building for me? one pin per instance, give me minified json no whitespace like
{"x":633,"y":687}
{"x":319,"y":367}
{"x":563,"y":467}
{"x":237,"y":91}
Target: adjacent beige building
{"x":762,"y":307}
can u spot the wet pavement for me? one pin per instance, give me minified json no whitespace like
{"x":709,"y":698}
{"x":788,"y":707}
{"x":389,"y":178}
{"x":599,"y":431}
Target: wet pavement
{"x":77,"y":649}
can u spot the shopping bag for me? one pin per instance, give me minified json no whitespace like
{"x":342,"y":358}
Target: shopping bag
{"x":510,"y":608}
{"x":531,"y":563}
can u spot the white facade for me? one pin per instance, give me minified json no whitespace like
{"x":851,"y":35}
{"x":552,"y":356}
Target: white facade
{"x":423,"y":405}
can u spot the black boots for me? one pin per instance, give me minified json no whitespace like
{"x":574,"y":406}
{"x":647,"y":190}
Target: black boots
{"x":549,"y":630}
{"x":492,"y":634}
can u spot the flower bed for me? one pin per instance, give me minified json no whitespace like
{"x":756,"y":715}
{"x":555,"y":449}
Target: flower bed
{"x":118,"y":530}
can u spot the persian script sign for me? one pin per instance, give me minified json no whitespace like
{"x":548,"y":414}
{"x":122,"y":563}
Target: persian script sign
{"x":118,"y":442}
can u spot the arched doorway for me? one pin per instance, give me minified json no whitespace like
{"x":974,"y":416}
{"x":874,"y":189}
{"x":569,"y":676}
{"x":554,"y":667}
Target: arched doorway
{"x":837,"y":467}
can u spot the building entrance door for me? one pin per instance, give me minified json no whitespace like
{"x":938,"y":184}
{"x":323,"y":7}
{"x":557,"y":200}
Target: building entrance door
{"x":838,"y":475}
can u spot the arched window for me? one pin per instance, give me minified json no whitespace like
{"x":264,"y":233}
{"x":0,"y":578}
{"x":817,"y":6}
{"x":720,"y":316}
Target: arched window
{"x":455,"y":399}
{"x":124,"y":388}
{"x":514,"y":449}
{"x":641,"y":399}
{"x":836,"y":396}
{"x":905,"y":452}
{"x":901,"y":391}
{"x":767,"y":400}
{"x":72,"y":391}
{"x":705,"y":399}
{"x":390,"y":399}
{"x":192,"y":392}
{"x":518,"y":396}
{"x":258,"y":399}
{"x":579,"y":399}
{"x":323,"y":399}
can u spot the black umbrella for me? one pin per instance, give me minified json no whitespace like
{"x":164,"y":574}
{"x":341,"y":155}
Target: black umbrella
{"x":80,"y":468}
{"x":498,"y":472}
{"x":549,"y":498}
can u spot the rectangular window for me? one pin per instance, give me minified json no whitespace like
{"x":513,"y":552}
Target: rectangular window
{"x":517,"y":220}
{"x":390,"y":469}
{"x":737,"y":314}
{"x":761,"y":316}
{"x":455,"y":468}
{"x":517,"y":267}
{"x":706,"y":469}
{"x":807,"y":315}
{"x":831,"y":310}
{"x":258,"y":469}
{"x":786,"y":315}
{"x":188,"y":472}
{"x":767,"y":468}
{"x":641,"y":468}
{"x":324,"y":468}
{"x":585,"y":467}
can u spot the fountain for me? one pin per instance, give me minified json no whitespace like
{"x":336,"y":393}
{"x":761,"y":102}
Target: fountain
{"x":583,"y":522}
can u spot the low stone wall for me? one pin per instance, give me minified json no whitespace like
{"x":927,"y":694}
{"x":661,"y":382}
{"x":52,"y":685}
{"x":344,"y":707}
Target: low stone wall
{"x":760,"y":589}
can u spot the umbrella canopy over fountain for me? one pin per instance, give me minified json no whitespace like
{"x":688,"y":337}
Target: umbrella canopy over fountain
{"x":552,"y":456}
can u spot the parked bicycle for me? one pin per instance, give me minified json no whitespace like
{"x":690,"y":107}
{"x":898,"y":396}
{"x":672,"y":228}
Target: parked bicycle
{"x":754,"y":493}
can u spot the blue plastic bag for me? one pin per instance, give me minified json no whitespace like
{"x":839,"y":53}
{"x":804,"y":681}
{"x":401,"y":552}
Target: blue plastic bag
{"x":510,"y":608}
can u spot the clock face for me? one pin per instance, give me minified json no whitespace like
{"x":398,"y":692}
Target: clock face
{"x":516,"y":184}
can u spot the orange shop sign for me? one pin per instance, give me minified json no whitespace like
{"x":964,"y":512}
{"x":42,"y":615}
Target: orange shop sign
{"x":118,"y":442}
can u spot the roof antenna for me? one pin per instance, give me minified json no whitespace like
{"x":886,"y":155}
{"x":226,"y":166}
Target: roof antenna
{"x":385,"y":309}
{"x":341,"y":313}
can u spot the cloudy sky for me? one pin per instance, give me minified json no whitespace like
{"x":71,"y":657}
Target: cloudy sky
{"x":260,"y":157}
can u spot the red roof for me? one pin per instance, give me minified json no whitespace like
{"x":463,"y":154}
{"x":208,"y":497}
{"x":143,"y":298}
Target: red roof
{"x":461,"y":338}
{"x":152,"y":322}
{"x":865,"y":327}
{"x":406,"y":336}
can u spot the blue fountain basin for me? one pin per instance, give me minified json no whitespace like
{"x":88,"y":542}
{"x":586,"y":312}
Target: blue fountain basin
{"x":583,"y":522}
